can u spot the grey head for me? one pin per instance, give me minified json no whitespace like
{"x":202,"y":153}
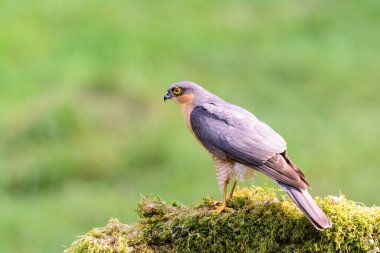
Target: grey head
{"x":199,"y":94}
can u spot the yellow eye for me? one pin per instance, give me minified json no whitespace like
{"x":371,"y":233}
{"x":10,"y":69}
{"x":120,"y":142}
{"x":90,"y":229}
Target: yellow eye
{"x":177,"y":91}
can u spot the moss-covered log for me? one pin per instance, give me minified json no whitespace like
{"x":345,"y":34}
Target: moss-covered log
{"x":260,"y":222}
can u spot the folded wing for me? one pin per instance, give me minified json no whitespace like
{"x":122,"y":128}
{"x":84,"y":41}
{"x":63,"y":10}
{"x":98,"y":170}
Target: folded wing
{"x":231,"y":132}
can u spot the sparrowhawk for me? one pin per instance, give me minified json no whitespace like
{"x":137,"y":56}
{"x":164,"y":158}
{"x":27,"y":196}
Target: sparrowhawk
{"x":239,"y":144}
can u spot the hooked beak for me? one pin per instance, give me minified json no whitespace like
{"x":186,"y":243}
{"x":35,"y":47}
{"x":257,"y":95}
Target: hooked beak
{"x":167,"y":96}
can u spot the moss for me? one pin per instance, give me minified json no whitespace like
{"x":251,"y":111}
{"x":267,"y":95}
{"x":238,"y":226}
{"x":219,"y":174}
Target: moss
{"x":114,"y":238}
{"x":261,"y":222}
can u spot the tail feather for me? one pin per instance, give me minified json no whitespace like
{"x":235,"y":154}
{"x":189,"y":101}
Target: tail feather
{"x":308,"y":206}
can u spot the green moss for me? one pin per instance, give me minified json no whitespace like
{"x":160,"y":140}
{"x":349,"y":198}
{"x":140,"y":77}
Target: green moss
{"x":260,"y":222}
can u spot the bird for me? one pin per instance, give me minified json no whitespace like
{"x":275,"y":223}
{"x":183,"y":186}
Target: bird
{"x":241,"y":144}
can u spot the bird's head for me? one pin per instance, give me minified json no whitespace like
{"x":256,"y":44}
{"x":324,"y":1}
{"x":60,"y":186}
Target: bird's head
{"x":183,"y":92}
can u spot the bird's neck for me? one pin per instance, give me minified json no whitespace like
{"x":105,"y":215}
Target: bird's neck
{"x":186,"y":104}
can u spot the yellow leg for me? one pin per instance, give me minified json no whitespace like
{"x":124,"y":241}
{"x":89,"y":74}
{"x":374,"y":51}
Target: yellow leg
{"x":232,"y":191}
{"x":223,"y":206}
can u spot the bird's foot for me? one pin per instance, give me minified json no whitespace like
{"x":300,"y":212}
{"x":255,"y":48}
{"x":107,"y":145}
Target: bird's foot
{"x":216,"y":203}
{"x":221,"y":208}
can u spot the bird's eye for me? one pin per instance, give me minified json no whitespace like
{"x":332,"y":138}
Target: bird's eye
{"x":177,"y":91}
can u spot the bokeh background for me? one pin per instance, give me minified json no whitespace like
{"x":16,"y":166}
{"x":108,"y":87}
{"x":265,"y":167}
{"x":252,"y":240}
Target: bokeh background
{"x":84,"y":132}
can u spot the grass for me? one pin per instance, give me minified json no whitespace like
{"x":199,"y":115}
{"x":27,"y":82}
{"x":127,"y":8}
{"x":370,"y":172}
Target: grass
{"x":84,"y":131}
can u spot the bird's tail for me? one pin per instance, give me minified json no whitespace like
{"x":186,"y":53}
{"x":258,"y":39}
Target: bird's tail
{"x":308,"y":206}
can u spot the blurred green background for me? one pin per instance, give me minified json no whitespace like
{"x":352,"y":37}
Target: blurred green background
{"x":84,"y":131}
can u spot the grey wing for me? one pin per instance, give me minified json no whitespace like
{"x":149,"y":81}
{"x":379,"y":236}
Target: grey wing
{"x":230,"y":132}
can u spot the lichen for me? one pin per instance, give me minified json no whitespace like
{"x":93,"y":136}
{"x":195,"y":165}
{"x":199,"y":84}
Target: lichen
{"x":260,"y":222}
